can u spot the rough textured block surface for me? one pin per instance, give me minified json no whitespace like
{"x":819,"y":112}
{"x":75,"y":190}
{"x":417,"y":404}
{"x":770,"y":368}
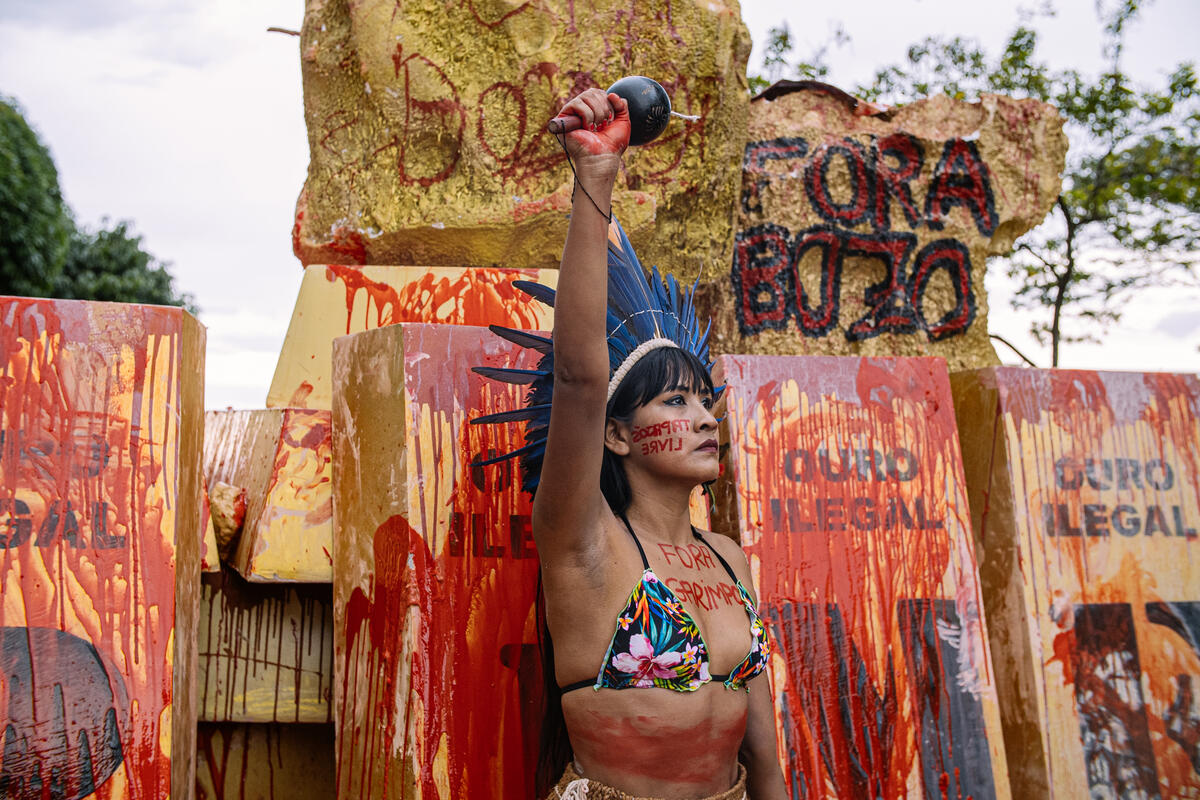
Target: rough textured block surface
{"x":867,"y":234}
{"x":266,"y":652}
{"x":209,"y":560}
{"x":427,"y":141}
{"x":437,"y":675}
{"x":100,"y":508}
{"x":1085,"y":491}
{"x":280,"y":457}
{"x":264,"y":762}
{"x":850,"y":502}
{"x":338,"y":300}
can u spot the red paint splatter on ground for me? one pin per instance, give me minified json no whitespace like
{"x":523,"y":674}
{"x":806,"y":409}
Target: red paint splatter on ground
{"x":85,"y":417}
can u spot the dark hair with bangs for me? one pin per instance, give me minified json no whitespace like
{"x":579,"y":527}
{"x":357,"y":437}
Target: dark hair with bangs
{"x":658,"y":371}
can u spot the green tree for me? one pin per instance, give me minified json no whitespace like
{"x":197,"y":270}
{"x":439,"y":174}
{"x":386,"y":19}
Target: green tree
{"x":34,"y":223}
{"x":1128,"y":216}
{"x":775,"y":57}
{"x":110,"y":264}
{"x":44,"y":254}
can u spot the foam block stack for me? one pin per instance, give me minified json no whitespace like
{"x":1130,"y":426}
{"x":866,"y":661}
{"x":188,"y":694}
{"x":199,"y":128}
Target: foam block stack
{"x":437,"y":681}
{"x":1085,"y":492}
{"x":265,"y":651}
{"x":100,"y":511}
{"x":849,"y":500}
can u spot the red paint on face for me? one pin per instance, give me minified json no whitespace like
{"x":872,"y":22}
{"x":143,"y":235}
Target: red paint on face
{"x":83,"y":410}
{"x":666,"y":445}
{"x":661,"y":430}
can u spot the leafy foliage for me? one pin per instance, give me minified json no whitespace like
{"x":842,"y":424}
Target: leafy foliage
{"x":775,"y":54}
{"x":110,"y":264}
{"x":1128,"y":216}
{"x":34,"y":222}
{"x":44,"y":254}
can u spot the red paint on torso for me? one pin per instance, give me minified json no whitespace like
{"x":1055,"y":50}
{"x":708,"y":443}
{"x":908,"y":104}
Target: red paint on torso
{"x":654,"y":741}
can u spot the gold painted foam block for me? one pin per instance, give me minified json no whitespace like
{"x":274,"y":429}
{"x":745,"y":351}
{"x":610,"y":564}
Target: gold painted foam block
{"x":865,"y":232}
{"x":264,"y":762}
{"x":427,"y":135}
{"x":100,"y":508}
{"x":266,"y":652}
{"x":281,"y":458}
{"x":209,"y":560}
{"x":848,"y":497}
{"x":437,"y":679}
{"x":338,"y":300}
{"x":1085,"y":495}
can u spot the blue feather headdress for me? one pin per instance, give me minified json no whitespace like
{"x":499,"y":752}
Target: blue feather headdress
{"x":643,"y":315}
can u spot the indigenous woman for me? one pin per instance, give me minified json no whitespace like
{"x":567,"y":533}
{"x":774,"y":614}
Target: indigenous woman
{"x":658,"y":649}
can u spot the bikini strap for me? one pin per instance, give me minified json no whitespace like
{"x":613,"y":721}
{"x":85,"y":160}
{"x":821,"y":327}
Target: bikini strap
{"x":724,"y":563}
{"x":641,"y":552}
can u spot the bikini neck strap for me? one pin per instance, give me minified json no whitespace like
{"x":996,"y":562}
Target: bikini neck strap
{"x":695,"y":534}
{"x":641,"y":552}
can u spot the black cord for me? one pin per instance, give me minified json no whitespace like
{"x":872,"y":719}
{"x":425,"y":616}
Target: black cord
{"x":562,"y":142}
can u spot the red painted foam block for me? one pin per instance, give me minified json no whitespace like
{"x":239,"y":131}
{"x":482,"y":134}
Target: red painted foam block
{"x":437,"y":679}
{"x":101,"y":410}
{"x":337,"y":300}
{"x":1085,"y":492}
{"x":280,"y":457}
{"x":850,"y":502}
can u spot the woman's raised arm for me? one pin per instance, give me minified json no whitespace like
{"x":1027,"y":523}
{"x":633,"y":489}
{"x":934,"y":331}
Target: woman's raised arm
{"x":568,"y":504}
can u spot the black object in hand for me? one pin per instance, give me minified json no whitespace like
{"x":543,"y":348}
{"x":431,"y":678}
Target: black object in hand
{"x":649,"y":110}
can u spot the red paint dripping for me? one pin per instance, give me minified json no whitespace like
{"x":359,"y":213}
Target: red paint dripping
{"x":85,"y":429}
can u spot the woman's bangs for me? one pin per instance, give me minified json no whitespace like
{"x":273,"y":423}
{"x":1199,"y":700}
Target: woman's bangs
{"x":659,"y":371}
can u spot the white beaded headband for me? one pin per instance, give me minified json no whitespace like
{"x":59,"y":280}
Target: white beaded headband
{"x":631,"y":359}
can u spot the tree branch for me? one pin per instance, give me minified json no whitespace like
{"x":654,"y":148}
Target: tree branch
{"x":1035,"y":254}
{"x":1012,"y":347}
{"x":1064,"y":281}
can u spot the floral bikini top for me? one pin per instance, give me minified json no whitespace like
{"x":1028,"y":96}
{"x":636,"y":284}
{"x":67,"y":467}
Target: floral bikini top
{"x":657,"y":643}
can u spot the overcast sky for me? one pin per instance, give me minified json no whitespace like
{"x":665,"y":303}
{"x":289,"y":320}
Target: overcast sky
{"x":186,"y":117}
